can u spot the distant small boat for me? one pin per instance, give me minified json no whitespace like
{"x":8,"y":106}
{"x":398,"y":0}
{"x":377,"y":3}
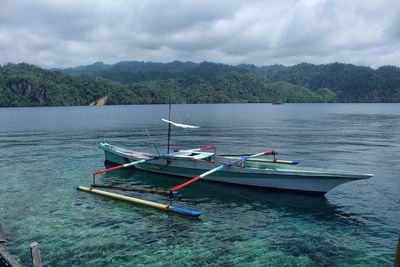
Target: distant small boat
{"x":277,"y":102}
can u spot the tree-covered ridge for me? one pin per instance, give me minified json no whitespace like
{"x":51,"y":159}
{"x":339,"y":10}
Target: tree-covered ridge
{"x":129,"y":72}
{"x":350,"y":83}
{"x":21,"y":84}
{"x":27,"y":85}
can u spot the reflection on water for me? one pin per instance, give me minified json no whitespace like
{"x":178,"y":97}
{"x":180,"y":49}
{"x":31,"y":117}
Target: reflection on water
{"x":221,"y":194}
{"x":46,"y":152}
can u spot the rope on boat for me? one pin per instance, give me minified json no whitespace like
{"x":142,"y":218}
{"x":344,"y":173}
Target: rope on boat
{"x":382,"y":193}
{"x":152,"y":140}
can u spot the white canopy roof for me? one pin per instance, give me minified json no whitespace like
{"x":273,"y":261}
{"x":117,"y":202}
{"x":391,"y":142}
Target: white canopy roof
{"x":180,"y":124}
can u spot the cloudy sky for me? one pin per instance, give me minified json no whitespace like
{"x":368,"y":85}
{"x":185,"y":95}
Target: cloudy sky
{"x":64,"y":33}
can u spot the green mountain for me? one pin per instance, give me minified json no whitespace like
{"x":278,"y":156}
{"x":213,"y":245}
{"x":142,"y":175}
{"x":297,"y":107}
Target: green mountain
{"x":28,"y":85}
{"x":129,"y":72}
{"x":147,"y":83}
{"x":133,"y":82}
{"x":350,"y":83}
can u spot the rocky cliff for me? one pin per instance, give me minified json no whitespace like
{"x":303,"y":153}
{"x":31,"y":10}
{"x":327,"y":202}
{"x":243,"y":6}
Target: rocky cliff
{"x":24,"y":88}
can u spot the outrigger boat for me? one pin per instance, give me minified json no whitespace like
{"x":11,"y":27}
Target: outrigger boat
{"x":248,"y":170}
{"x":204,"y":163}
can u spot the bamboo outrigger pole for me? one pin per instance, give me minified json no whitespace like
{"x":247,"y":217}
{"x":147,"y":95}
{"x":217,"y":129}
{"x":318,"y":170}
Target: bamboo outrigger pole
{"x":120,"y":167}
{"x":203,"y":148}
{"x":281,"y":161}
{"x":143,"y":202}
{"x":220,"y":167}
{"x":123,"y":166}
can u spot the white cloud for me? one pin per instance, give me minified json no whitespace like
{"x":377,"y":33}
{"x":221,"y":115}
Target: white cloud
{"x":68,"y":33}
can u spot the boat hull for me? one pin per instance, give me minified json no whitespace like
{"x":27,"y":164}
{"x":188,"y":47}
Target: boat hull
{"x":279,"y":177}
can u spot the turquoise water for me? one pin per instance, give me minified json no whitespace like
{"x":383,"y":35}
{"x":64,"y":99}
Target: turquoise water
{"x":45,"y":153}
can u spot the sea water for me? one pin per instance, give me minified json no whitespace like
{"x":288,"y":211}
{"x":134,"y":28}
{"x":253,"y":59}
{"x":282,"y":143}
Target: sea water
{"x":45,"y":153}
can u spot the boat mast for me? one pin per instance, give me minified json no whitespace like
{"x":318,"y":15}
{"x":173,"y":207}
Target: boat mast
{"x":169,"y":124}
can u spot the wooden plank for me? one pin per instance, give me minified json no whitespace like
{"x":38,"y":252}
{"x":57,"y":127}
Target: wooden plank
{"x":2,"y":239}
{"x":35,"y":252}
{"x":397,"y":259}
{"x":134,"y":189}
{"x":6,"y":259}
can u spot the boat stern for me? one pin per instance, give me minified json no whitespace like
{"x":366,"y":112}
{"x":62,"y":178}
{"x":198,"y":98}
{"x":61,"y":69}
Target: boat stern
{"x":114,"y":155}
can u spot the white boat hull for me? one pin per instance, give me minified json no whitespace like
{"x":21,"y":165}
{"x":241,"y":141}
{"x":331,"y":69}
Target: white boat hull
{"x":315,"y":181}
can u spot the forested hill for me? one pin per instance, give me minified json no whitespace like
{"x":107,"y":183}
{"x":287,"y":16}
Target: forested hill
{"x":129,"y":72}
{"x":350,"y":83}
{"x":134,"y":82}
{"x":27,"y":85}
